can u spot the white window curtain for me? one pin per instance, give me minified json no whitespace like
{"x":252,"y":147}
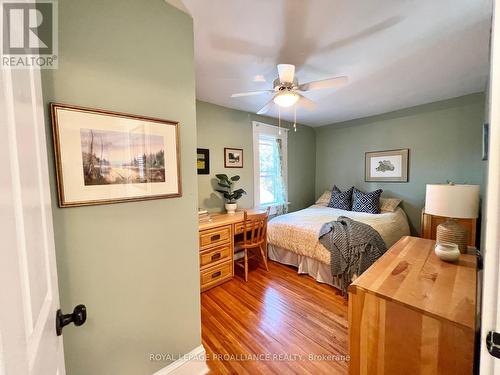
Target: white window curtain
{"x":270,"y":167}
{"x":282,"y":191}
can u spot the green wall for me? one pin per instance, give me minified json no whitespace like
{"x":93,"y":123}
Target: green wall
{"x":219,"y":127}
{"x":135,"y":265}
{"x":444,"y":139}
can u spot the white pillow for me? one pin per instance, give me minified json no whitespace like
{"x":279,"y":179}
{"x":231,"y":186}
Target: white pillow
{"x":324,"y":199}
{"x":389,"y":204}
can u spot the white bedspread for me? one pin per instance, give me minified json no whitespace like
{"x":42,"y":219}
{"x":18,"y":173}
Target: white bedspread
{"x":298,"y":231}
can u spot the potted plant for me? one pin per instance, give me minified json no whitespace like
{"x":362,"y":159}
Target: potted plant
{"x":229,"y":194}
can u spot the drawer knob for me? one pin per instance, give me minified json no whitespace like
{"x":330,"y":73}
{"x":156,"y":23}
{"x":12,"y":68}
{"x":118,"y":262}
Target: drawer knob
{"x":216,"y":256}
{"x":216,"y":274}
{"x":215,"y":237}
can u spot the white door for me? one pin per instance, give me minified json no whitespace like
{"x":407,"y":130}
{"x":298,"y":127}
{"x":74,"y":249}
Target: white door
{"x":490,"y":365}
{"x":29,"y":295}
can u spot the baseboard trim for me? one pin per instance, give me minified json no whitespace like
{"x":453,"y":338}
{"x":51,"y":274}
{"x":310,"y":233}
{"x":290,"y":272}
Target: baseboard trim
{"x":190,"y":364}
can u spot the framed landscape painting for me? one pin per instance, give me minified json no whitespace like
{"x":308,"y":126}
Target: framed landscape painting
{"x":109,"y":157}
{"x":233,"y":157}
{"x":387,"y":166}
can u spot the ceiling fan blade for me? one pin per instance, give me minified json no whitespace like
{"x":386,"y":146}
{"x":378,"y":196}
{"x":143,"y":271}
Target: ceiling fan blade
{"x":250,"y":93}
{"x":286,"y":73}
{"x":328,"y":83}
{"x":266,"y":108}
{"x":307,"y":103}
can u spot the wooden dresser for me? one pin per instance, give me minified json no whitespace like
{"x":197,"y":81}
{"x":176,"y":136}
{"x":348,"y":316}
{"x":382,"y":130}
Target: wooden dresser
{"x":217,"y":248}
{"x":411,"y":313}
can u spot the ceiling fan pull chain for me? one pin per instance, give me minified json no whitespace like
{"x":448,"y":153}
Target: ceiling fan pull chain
{"x":295,"y":117}
{"x":279,"y":121}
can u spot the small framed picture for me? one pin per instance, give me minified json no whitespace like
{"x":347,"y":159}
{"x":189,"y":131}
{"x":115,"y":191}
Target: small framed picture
{"x":486,"y":140}
{"x":233,"y":157}
{"x":387,"y":166}
{"x":108,"y":157}
{"x":203,"y":160}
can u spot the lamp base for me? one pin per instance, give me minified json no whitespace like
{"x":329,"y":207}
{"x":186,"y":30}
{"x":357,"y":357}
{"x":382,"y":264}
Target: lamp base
{"x":452,"y":232}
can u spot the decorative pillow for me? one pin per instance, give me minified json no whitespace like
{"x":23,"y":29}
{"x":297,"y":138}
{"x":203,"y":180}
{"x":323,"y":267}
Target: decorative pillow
{"x":324,"y":199}
{"x":341,"y":199}
{"x":366,"y":202}
{"x":389,"y":204}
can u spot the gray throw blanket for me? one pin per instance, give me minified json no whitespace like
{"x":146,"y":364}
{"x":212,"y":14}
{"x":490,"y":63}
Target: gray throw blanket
{"x":353,"y":247}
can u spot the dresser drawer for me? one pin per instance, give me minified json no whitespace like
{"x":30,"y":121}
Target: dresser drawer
{"x":216,"y":275}
{"x":214,"y":255}
{"x":238,"y":228}
{"x":213,"y":237}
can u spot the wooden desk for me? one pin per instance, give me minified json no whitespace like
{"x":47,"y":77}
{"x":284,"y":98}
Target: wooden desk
{"x":411,"y":313}
{"x":217,"y":248}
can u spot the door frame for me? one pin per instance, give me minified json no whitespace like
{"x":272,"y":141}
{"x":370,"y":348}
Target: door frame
{"x":491,"y":287}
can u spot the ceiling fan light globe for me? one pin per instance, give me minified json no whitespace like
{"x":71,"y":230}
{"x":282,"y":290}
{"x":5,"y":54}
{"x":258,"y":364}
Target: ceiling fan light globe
{"x":286,"y":99}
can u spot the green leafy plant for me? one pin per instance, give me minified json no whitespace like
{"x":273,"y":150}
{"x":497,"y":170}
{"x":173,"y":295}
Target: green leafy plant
{"x":228,"y":183}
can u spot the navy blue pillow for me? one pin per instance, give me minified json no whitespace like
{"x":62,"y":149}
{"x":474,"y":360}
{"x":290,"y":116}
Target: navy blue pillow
{"x":366,"y":202}
{"x":341,"y":199}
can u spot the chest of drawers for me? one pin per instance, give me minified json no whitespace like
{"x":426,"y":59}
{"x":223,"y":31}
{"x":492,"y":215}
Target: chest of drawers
{"x":216,"y":255}
{"x":411,"y":313}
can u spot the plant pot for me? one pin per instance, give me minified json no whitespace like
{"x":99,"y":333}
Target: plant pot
{"x":231,"y":207}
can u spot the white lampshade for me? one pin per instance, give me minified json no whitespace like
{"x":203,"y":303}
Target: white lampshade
{"x":454,"y":201}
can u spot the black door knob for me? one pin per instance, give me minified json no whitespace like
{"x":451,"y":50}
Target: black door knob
{"x":78,"y":317}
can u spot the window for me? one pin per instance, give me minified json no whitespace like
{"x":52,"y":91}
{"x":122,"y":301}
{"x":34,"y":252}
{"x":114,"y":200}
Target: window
{"x":270,"y":165}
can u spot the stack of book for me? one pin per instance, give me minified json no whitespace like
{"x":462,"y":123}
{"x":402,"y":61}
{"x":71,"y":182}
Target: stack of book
{"x":203,"y":216}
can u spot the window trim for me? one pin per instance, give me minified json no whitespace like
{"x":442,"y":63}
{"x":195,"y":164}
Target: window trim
{"x":262,"y":128}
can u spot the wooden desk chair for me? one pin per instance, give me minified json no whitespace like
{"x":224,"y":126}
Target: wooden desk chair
{"x":254,"y":238}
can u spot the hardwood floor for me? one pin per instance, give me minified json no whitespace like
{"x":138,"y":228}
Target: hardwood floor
{"x":275,"y":313}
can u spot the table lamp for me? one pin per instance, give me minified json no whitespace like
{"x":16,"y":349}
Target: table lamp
{"x":453,"y":202}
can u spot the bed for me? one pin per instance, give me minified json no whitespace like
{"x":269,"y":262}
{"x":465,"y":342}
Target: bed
{"x":293,"y":238}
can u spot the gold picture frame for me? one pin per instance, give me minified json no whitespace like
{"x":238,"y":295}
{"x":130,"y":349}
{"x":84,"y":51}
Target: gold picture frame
{"x":104,"y":157}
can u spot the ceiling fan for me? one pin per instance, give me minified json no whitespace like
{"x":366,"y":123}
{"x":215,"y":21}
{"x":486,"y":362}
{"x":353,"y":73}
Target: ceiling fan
{"x":287,"y":90}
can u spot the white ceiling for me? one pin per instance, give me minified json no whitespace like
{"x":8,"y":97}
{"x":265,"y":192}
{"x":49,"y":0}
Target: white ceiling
{"x":397,"y":53}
